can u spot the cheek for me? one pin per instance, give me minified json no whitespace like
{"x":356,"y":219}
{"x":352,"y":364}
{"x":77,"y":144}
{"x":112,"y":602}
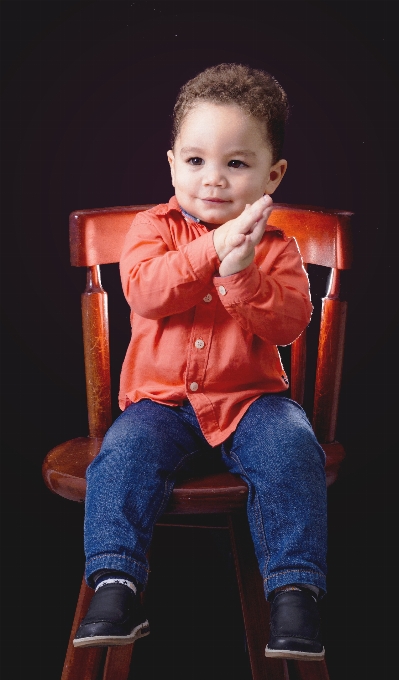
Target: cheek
{"x":184,"y":179}
{"x":250,"y":190}
{"x":258,"y":187}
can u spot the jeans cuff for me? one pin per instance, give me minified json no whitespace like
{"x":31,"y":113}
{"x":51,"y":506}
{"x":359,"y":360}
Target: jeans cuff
{"x":118,"y":563}
{"x":297,"y":576}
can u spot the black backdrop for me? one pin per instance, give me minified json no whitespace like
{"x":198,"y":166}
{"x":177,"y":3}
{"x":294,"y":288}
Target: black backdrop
{"x":88,"y":88}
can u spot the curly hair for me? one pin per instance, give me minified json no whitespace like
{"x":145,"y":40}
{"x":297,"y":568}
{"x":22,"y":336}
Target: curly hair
{"x":255,"y":91}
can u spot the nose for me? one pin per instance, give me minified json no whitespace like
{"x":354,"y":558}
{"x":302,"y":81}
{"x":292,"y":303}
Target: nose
{"x":214,"y":176}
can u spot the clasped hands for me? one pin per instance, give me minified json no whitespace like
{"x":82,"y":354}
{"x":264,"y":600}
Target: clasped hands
{"x":235,"y":240}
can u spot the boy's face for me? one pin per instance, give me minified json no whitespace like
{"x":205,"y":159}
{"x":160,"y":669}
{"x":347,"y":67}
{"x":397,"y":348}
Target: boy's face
{"x":220,"y":162}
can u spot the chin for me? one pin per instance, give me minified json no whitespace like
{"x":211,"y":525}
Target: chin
{"x":218,"y":214}
{"x":212,"y":219}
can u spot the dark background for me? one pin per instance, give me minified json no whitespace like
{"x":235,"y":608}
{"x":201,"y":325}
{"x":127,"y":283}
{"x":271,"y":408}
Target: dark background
{"x":88,"y":88}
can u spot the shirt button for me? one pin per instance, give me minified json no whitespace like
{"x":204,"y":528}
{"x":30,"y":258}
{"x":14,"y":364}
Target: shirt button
{"x":199,"y":343}
{"x":207,"y":298}
{"x":194,"y":386}
{"x":222,"y":290}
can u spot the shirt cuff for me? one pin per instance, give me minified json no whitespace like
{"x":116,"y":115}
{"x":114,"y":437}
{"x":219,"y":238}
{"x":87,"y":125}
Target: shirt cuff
{"x":238,"y":288}
{"x":202,"y":256}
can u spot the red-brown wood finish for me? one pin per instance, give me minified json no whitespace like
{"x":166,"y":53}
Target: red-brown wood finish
{"x":96,"y":237}
{"x":117,"y":663}
{"x":329,"y":369}
{"x":310,"y":670}
{"x":323,"y":236}
{"x":82,"y":664}
{"x":96,"y":353}
{"x":254,"y":608}
{"x":298,"y":368}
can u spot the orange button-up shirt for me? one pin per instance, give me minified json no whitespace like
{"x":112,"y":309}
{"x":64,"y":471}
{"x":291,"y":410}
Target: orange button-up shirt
{"x":200,"y":336}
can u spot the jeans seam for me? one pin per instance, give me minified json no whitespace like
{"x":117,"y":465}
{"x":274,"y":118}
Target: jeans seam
{"x":165,"y":497}
{"x":257,"y":512}
{"x":167,"y":493}
{"x":168,"y":479}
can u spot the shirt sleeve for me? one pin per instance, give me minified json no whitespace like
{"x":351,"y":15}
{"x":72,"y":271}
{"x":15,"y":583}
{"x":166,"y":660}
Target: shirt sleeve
{"x":270,"y":298}
{"x":159,"y":279}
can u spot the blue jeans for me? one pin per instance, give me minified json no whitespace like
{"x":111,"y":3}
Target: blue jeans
{"x":273,"y":449}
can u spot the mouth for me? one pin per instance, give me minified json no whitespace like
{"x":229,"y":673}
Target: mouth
{"x":210,"y":199}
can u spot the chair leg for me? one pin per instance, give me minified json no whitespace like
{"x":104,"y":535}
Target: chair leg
{"x":86,"y":663}
{"x":254,"y":606}
{"x":82,"y":664}
{"x":117,"y":664}
{"x":311,"y":670}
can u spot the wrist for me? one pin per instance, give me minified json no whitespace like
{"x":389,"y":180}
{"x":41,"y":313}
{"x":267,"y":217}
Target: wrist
{"x":216,"y":244}
{"x":219,"y":243}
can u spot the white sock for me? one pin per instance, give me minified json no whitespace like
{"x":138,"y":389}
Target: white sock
{"x":123,"y":581}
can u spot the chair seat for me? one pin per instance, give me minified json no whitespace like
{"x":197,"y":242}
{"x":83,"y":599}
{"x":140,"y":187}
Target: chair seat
{"x":64,"y":472}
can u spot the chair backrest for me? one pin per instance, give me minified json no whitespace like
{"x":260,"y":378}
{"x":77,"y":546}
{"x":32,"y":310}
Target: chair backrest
{"x":324,"y":238}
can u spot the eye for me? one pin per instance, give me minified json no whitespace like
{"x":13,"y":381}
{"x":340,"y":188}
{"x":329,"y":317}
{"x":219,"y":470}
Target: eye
{"x":237,"y":164}
{"x":195,"y":160}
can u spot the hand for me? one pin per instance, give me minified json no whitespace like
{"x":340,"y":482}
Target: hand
{"x":235,"y":240}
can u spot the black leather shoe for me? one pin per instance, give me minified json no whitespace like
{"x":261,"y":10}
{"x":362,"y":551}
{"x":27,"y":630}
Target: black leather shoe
{"x":114,"y":617}
{"x":295,"y":626}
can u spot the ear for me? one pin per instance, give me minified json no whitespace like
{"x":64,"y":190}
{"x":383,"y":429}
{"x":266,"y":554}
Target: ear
{"x":277,"y":172}
{"x":171,"y":160}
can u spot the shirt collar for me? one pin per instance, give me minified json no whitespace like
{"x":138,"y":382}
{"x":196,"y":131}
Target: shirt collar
{"x":191,"y":217}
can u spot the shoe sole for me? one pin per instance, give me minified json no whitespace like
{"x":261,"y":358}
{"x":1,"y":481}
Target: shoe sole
{"x":296,"y":656}
{"x":138,"y":632}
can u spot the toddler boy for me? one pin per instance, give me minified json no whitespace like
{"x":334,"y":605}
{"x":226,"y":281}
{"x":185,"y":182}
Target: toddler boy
{"x":213,"y":290}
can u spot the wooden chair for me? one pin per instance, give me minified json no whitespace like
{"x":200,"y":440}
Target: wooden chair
{"x":96,"y":237}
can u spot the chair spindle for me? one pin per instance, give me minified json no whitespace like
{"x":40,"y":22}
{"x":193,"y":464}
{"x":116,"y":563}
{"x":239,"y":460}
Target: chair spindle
{"x":96,"y":353}
{"x":330,"y":361}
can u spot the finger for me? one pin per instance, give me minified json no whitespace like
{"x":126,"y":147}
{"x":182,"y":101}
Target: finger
{"x":239,"y":254}
{"x":235,"y":240}
{"x":256,"y":235}
{"x":245,"y":223}
{"x":262,"y":206}
{"x":249,"y":217}
{"x":267,"y":211}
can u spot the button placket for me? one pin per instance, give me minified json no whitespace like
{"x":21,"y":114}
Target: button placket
{"x":201,"y":335}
